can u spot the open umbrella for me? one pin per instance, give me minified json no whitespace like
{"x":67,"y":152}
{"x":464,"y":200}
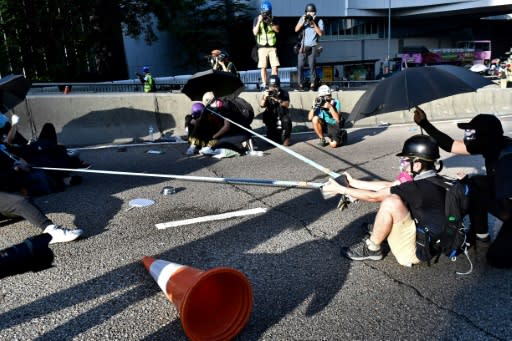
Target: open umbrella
{"x":219,"y":82}
{"x":13,"y":89}
{"x":414,"y":86}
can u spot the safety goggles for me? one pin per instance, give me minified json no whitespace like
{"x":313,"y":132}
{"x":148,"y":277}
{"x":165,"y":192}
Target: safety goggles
{"x":404,"y":163}
{"x":469,"y":134}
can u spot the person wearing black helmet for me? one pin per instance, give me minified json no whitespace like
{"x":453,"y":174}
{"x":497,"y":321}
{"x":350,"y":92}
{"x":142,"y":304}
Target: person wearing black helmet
{"x":276,"y":117}
{"x":491,"y":193}
{"x":402,"y":205}
{"x":310,"y":27}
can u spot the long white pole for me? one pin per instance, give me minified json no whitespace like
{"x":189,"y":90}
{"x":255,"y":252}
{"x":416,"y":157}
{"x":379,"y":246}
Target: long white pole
{"x":233,"y":181}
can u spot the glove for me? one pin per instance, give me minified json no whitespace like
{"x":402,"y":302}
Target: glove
{"x":15,"y":119}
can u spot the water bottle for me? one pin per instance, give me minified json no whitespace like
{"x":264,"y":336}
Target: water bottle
{"x":150,"y":133}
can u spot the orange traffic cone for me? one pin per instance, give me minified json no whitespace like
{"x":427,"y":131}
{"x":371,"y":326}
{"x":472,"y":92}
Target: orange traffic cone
{"x":67,"y":90}
{"x":213,"y":304}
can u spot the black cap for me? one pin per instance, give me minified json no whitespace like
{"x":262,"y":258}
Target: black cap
{"x":274,"y":80}
{"x":310,"y":8}
{"x":484,"y":124}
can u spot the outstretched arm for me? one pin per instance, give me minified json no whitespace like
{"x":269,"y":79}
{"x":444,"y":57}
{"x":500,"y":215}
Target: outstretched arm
{"x":444,"y":141}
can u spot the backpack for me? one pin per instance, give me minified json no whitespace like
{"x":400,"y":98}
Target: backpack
{"x":240,"y":110}
{"x":452,"y":241}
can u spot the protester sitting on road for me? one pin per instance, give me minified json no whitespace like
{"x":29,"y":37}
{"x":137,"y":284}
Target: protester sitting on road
{"x":326,"y":119}
{"x":15,"y":203}
{"x":276,"y":116}
{"x":403,"y":205}
{"x":43,"y":152}
{"x":491,"y":193}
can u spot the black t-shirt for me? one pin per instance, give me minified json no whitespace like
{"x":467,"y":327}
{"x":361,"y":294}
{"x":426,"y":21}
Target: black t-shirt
{"x":425,"y":201}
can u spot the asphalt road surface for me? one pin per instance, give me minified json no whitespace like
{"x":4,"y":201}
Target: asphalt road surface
{"x":303,"y":288}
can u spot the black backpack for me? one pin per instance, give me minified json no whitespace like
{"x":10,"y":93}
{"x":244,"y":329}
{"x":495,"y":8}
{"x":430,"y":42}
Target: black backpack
{"x":452,"y":241}
{"x":240,"y":110}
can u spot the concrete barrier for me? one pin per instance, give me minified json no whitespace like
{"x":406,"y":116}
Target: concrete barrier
{"x":89,"y":119}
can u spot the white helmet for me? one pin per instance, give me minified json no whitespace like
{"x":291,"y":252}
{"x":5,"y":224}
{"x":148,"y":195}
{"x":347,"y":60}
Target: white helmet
{"x":324,"y":90}
{"x":208,"y":97}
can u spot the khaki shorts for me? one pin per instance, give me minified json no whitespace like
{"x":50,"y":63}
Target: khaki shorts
{"x":402,"y":241}
{"x":270,"y":53}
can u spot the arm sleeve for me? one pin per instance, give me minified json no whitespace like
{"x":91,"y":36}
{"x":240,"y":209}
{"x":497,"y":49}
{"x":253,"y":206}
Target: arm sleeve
{"x":444,"y":141}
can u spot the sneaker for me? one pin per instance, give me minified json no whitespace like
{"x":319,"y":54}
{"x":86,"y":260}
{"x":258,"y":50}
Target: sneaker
{"x":61,"y":234}
{"x":208,"y":151}
{"x":322,"y":142}
{"x":191,"y":150}
{"x":360,"y":251}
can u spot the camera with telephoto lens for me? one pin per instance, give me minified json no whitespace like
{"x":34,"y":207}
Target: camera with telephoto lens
{"x":267,"y":18}
{"x":319,"y":101}
{"x":273,"y":93}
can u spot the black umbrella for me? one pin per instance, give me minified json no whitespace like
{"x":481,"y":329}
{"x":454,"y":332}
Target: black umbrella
{"x":219,"y":82}
{"x":13,"y":89}
{"x":414,"y":86}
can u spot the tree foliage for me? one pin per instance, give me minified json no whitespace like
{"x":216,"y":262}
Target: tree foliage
{"x":197,"y":25}
{"x":81,"y":40}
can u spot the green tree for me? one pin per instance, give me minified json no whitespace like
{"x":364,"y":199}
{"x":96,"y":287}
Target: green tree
{"x":81,"y":40}
{"x":199,"y":26}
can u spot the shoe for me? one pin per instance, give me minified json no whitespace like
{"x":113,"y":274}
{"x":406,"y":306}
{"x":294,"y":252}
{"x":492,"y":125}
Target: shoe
{"x":263,"y":87}
{"x":360,"y":251}
{"x":208,"y":151}
{"x":62,"y":235}
{"x":322,"y":142}
{"x":191,"y":150}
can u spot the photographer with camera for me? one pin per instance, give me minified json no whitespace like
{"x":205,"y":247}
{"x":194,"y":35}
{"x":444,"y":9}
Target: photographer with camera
{"x":265,"y":28}
{"x":147,"y":80}
{"x":220,"y":61}
{"x":310,"y":27}
{"x":276,"y":117}
{"x":325,"y":118}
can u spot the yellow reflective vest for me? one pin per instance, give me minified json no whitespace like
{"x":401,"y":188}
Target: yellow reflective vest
{"x":266,"y":36}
